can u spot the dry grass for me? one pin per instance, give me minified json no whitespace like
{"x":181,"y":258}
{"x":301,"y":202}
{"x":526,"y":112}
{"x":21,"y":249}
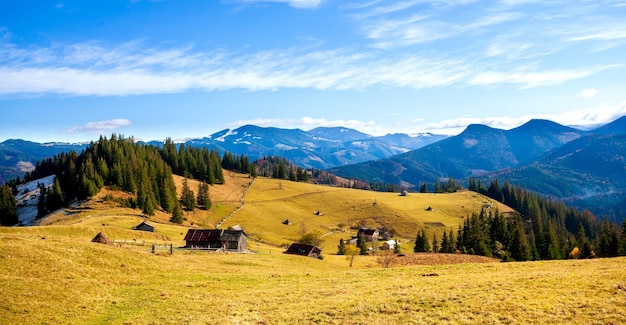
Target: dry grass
{"x":54,"y":275}
{"x":63,"y":280}
{"x":270,"y":202}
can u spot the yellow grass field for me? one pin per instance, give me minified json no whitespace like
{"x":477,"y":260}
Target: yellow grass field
{"x":54,"y":274}
{"x":48,"y":275}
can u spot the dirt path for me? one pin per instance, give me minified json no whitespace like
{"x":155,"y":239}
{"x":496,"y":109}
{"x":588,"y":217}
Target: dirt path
{"x":243,"y":203}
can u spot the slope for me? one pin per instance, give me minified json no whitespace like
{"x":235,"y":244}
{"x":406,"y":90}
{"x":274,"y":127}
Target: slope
{"x":270,"y":202}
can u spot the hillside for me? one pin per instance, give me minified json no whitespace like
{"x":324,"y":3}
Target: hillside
{"x":43,"y":266}
{"x":270,"y":202}
{"x":583,"y":168}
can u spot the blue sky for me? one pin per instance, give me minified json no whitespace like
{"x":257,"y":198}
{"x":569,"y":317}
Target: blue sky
{"x":72,"y":70}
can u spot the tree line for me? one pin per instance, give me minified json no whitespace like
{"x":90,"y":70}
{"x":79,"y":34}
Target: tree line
{"x":124,"y":164}
{"x":545,"y":229}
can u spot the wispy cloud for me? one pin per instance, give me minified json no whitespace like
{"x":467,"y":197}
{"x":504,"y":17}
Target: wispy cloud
{"x":130,"y":69}
{"x":302,"y":4}
{"x":580,"y":118}
{"x":100,"y":126}
{"x":588,"y":93}
{"x":527,"y":78}
{"x":308,"y":123}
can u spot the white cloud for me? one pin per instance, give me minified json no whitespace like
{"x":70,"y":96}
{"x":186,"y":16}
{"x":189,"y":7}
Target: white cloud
{"x":101,"y":126}
{"x":588,"y":93}
{"x":308,"y":123}
{"x":301,"y":4}
{"x":583,"y":118}
{"x":529,"y":79}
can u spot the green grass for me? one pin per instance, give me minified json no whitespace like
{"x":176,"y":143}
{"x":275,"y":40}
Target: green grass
{"x":61,"y":280}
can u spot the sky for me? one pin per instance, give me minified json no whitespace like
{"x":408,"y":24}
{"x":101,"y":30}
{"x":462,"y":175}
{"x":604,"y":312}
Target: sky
{"x":71,"y":70}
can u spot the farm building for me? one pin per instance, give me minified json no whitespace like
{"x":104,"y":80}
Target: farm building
{"x":144,"y":226}
{"x":389,"y":245}
{"x":232,"y":240}
{"x":304,"y":250}
{"x":368,"y":234}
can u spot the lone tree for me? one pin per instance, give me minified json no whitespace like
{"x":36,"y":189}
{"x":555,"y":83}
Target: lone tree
{"x":341,"y":249}
{"x":351,"y":252}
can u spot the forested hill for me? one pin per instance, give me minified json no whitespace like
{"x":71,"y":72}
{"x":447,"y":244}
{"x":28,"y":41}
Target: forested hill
{"x":140,"y":169}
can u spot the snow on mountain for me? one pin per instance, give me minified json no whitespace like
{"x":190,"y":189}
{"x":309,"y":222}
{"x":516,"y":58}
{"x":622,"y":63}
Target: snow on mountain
{"x":27,"y":199}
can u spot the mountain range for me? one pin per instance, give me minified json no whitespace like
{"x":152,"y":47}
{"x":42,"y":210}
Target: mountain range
{"x":586,"y":168}
{"x":319,"y":148}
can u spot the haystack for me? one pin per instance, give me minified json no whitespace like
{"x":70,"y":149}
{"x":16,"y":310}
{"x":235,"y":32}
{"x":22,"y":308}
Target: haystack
{"x":102,"y":239}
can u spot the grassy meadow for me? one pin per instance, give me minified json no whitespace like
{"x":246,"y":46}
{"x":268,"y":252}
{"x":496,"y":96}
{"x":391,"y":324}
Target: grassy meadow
{"x":50,"y":277}
{"x":54,"y":274}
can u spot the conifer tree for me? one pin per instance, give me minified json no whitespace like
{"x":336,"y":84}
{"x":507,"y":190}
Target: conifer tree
{"x":421,"y":242}
{"x":8,"y":208}
{"x":360,"y":243}
{"x":54,"y":198}
{"x":519,"y":248}
{"x":203,"y":199}
{"x":435,"y":246}
{"x":341,"y":249}
{"x":188,"y":198}
{"x":177,"y":215}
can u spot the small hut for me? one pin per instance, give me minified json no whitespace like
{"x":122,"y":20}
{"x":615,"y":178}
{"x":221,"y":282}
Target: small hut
{"x":144,"y":226}
{"x":304,"y":250}
{"x":102,"y":239}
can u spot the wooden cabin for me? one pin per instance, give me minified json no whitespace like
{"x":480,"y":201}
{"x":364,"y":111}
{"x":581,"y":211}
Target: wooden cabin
{"x":368,"y":235}
{"x":144,"y":226}
{"x":304,"y":250}
{"x":231,"y":240}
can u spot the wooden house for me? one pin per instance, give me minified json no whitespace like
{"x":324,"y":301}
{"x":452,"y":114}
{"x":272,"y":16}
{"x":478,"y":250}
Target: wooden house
{"x":144,"y":226}
{"x":232,"y":240}
{"x":368,"y":235}
{"x":389,"y":245}
{"x":304,"y":250}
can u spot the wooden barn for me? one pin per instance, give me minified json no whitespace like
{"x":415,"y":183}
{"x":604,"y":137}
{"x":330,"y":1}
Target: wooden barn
{"x":367,"y":234}
{"x":232,"y":240}
{"x":304,"y":250}
{"x":144,"y":226}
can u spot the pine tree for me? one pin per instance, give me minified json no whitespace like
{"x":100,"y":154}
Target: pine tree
{"x":54,"y":198}
{"x":435,"y":246}
{"x":8,"y":208}
{"x":203,"y":199}
{"x":519,"y":248}
{"x":421,"y":242}
{"x":177,"y":215}
{"x":360,"y":243}
{"x":341,"y":249}
{"x":188,"y":198}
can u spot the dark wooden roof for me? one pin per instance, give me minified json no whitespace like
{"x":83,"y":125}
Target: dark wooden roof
{"x":302,"y":249}
{"x":231,"y":235}
{"x":144,"y":225}
{"x":202,"y":235}
{"x":213,"y":235}
{"x":369,"y":232}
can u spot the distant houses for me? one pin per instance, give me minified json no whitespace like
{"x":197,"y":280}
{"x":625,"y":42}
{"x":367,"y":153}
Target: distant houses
{"x":231,"y":240}
{"x":144,"y":226}
{"x":304,"y":250}
{"x":368,"y":235}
